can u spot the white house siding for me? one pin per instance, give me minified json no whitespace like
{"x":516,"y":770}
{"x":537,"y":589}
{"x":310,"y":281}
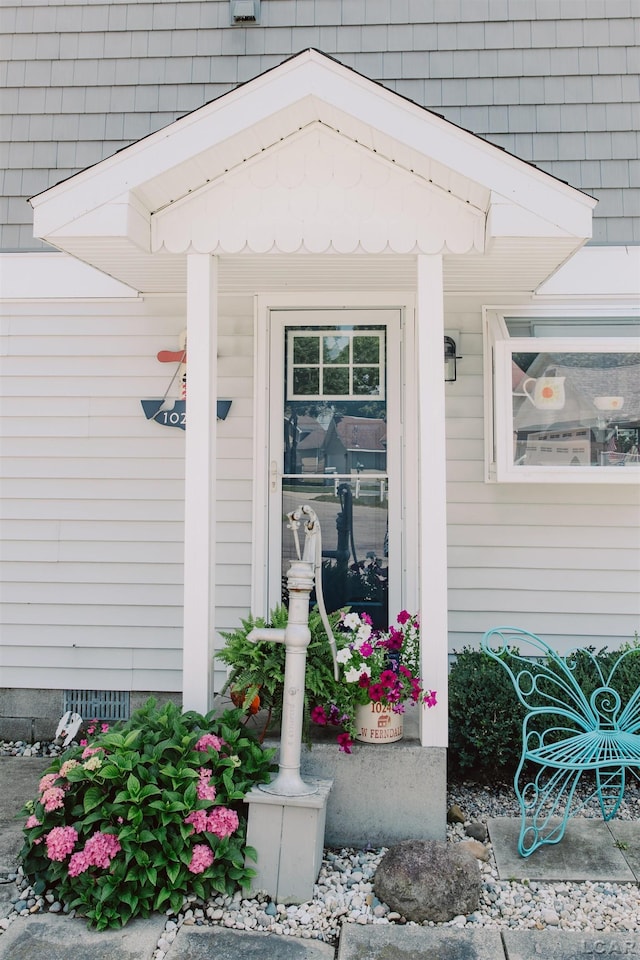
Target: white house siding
{"x":561,"y":560}
{"x":93,"y":494}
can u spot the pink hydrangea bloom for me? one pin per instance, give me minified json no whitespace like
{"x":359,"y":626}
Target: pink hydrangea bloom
{"x":209,"y":741}
{"x":198,"y":819}
{"x":47,"y":781}
{"x":79,"y":863}
{"x":53,"y":799}
{"x":89,"y":752}
{"x":93,"y":763}
{"x":206,"y":790}
{"x":60,"y":842}
{"x":101,"y":848}
{"x":202,"y":858}
{"x":32,"y":821}
{"x":222,"y":822}
{"x":68,"y":765}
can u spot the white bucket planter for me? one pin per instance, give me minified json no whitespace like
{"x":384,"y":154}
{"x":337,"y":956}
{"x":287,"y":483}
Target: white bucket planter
{"x":377,"y":723}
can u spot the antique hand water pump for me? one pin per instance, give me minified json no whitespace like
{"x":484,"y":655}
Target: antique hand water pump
{"x":296,"y":637}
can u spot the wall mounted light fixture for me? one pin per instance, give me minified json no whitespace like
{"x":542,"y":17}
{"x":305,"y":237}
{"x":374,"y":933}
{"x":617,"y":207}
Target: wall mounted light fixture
{"x":222,"y":409}
{"x":450,"y":357}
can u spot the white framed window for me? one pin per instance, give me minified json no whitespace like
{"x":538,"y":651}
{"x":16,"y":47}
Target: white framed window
{"x":335,"y":365}
{"x":563,"y":398}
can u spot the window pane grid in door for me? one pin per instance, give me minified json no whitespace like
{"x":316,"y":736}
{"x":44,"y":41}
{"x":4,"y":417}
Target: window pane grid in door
{"x":333,"y":366}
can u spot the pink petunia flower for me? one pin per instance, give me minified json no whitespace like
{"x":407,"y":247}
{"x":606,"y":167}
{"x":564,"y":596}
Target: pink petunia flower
{"x":403,"y":617}
{"x":394,"y":640}
{"x":201,"y":859}
{"x":366,"y":649}
{"x":376,"y":691}
{"x":60,"y":842}
{"x":344,"y":742}
{"x":222,"y":822}
{"x":388,"y":678}
{"x":209,"y":741}
{"x":52,"y":799}
{"x":319,"y":716}
{"x":430,"y":698}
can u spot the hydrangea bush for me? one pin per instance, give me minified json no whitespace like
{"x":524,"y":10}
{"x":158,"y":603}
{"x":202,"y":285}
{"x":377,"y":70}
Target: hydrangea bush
{"x":145,"y":814}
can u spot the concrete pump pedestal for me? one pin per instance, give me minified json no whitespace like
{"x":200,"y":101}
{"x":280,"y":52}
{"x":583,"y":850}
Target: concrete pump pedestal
{"x":288,"y":835}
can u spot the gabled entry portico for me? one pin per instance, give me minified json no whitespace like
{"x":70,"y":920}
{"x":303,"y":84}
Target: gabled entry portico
{"x":311,"y":186}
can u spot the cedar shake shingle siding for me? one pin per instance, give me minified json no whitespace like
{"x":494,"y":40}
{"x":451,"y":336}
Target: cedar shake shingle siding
{"x":555,"y":83}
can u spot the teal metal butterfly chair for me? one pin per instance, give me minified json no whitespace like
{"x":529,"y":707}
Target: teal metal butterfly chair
{"x":565,"y":734}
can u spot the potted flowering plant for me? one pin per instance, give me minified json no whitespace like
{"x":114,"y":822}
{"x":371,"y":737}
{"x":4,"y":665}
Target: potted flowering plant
{"x":379,"y":676}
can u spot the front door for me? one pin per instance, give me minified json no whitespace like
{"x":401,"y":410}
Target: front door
{"x":335,"y":444}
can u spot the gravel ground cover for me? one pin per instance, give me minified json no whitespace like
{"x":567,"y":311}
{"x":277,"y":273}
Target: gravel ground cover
{"x":344,"y":892}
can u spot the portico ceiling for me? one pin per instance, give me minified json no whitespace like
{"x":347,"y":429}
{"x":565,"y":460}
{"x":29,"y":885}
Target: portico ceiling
{"x":312,"y":174}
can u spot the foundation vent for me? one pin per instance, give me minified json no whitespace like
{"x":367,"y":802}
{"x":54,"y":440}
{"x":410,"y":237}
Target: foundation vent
{"x":110,"y":705}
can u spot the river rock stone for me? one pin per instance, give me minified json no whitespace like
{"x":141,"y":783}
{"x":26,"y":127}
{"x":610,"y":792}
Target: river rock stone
{"x":455,"y":814}
{"x":429,"y":880}
{"x":476,"y":830}
{"x":478,"y":849}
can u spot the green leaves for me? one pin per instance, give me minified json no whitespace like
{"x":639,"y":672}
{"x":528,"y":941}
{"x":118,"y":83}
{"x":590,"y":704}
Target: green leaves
{"x":142,"y":793}
{"x":92,"y":799}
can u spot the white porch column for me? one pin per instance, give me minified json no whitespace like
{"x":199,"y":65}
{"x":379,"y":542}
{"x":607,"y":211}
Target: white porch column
{"x":432,"y":496}
{"x":200,"y":479}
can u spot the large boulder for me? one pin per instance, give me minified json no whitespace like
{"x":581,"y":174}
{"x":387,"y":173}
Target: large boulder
{"x":429,"y":880}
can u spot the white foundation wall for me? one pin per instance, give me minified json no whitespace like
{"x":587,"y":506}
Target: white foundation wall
{"x":93,"y":493}
{"x":561,"y":560}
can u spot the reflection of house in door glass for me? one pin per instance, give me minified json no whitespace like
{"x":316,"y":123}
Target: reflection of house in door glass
{"x":335,"y":458}
{"x":356,"y":444}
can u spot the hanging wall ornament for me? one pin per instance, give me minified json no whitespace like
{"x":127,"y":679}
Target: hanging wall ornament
{"x":171,"y":411}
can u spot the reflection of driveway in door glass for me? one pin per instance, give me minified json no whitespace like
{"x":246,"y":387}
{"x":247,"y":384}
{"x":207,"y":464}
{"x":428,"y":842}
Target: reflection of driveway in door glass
{"x":354,"y":563}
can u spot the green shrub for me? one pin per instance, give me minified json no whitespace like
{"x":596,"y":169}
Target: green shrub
{"x":485,"y":715}
{"x":145,"y":814}
{"x":485,"y":719}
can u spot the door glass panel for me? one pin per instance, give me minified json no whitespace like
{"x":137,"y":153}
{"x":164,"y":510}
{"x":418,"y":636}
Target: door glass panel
{"x":335,"y":459}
